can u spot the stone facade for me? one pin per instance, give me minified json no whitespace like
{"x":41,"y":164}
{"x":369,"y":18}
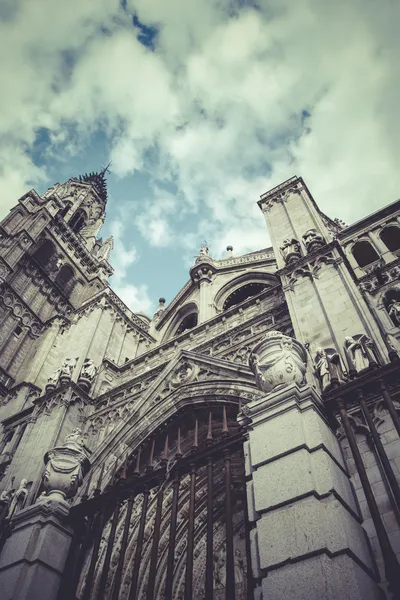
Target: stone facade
{"x":276,"y":333}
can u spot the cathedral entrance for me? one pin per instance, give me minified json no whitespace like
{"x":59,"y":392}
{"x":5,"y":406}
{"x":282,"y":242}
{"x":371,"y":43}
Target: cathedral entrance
{"x":171,"y":524}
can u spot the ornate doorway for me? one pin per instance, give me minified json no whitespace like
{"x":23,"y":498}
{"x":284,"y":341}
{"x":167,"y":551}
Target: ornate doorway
{"x":171,"y":522}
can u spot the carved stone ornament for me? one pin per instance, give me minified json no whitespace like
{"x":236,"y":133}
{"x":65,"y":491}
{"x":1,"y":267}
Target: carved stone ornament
{"x":66,"y":466}
{"x":67,"y":368}
{"x":278,"y":360}
{"x":186,"y":372}
{"x":290,"y":250}
{"x":313,"y":240}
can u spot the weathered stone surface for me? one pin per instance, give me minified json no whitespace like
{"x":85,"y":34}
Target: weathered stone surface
{"x":321,"y":578}
{"x":33,"y":558}
{"x":300,"y":473}
{"x":308,"y":526}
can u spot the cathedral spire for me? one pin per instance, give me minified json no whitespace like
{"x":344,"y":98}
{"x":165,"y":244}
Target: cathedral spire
{"x":98,"y":180}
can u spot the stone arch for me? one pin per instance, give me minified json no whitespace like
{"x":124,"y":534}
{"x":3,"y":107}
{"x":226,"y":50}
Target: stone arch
{"x":148,"y":418}
{"x":184,"y":418}
{"x":186,"y":318}
{"x":245,"y":286}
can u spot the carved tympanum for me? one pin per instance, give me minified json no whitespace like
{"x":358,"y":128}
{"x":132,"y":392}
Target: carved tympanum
{"x":278,"y":360}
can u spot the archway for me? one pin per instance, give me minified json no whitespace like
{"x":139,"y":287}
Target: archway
{"x":171,"y":523}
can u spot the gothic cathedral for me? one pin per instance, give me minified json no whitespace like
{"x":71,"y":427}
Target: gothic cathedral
{"x":241,"y":444}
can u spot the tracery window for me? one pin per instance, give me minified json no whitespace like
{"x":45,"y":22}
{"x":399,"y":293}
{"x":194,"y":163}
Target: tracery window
{"x":243,"y":293}
{"x":364,"y":253}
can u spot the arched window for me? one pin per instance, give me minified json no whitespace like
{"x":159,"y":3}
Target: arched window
{"x":187,"y":322}
{"x":364,"y":253}
{"x":44,"y":254}
{"x":243,"y":293}
{"x":390,"y":236}
{"x":77,"y":221}
{"x":64,"y":279}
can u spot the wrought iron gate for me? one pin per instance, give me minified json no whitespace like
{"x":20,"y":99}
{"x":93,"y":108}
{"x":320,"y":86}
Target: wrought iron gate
{"x":172,"y":522}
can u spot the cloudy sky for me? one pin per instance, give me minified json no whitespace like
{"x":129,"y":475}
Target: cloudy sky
{"x":201,"y":106}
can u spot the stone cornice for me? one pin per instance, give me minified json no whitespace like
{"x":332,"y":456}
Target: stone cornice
{"x":367,"y":222}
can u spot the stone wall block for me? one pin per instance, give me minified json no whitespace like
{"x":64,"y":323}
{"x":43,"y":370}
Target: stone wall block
{"x":321,"y":577}
{"x":291,"y":429}
{"x":309,"y":526}
{"x":298,"y":474}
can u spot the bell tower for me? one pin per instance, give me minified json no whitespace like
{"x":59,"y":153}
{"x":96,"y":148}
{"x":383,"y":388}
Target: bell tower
{"x":51,"y":261}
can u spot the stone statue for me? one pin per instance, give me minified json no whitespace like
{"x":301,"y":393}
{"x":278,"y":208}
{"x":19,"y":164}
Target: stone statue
{"x":204,"y":250}
{"x":74,"y":439}
{"x":54,"y":377}
{"x":394,"y":312}
{"x":290,"y":250}
{"x":357,"y":355}
{"x":278,"y":360}
{"x":322,"y":368}
{"x":88,"y":370}
{"x":4,"y":504}
{"x":312,"y":240}
{"x":239,"y":567}
{"x":106,"y":248}
{"x":329,"y":367}
{"x":67,"y":368}
{"x":19,"y":498}
{"x":393,"y":342}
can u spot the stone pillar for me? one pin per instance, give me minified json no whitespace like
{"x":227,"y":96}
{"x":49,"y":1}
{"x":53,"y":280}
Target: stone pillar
{"x":33,"y":558}
{"x":307,"y":540}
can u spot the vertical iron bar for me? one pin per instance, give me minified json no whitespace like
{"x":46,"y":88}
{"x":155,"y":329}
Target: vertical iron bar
{"x":392,"y":568}
{"x":139,"y":546}
{"x":380,"y":449}
{"x":107,"y":559}
{"x":190,"y":543}
{"x":390,"y":407}
{"x":210,"y":524}
{"x":124,"y":542}
{"x":230,"y":569}
{"x":249,"y":570}
{"x":172,"y":538}
{"x":154,"y":548}
{"x":96,"y":545}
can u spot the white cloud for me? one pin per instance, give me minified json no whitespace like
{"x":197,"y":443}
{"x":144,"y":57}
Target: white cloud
{"x":136,"y":297}
{"x":219,"y":102}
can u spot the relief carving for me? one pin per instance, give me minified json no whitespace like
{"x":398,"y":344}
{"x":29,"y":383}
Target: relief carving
{"x":278,"y":360}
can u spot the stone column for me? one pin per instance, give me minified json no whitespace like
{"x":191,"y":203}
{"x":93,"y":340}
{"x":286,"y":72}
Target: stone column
{"x":33,"y":558}
{"x":307,"y":541}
